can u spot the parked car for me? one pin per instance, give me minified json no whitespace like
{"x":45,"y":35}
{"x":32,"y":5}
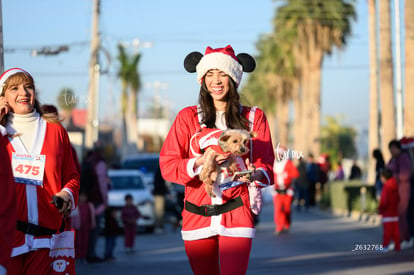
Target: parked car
{"x":147,"y":163}
{"x":132,"y":182}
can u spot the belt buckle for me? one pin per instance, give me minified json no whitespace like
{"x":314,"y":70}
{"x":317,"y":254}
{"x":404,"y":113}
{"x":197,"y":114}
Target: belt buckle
{"x":211,"y":210}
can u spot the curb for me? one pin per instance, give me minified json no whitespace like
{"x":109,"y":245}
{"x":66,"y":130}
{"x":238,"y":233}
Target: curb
{"x":373,"y":219}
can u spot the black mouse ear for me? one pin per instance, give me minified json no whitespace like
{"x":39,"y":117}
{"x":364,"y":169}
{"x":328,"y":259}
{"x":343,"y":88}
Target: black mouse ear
{"x":247,"y":62}
{"x":191,"y":61}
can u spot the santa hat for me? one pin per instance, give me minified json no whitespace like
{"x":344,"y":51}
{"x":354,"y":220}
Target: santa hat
{"x":281,"y":152}
{"x":407,"y":142}
{"x":223,"y":59}
{"x":7,"y":74}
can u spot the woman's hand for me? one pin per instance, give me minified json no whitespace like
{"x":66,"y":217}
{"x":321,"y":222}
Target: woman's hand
{"x":219,"y":158}
{"x":66,"y":206}
{"x":4,"y":107}
{"x":256,"y":174}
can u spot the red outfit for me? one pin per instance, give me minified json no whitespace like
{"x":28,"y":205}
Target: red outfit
{"x":388,"y":208}
{"x":8,"y":207}
{"x":177,"y":162}
{"x":34,"y":207}
{"x":285,"y":172}
{"x":130,"y":215}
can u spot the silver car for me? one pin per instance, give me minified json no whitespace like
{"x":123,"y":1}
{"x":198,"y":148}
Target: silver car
{"x":132,"y":182}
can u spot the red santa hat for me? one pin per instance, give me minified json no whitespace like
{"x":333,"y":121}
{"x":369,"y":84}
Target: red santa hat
{"x":407,"y":142}
{"x":223,"y":59}
{"x":7,"y":74}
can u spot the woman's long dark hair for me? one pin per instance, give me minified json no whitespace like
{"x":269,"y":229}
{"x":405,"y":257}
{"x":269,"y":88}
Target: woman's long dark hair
{"x":234,"y":118}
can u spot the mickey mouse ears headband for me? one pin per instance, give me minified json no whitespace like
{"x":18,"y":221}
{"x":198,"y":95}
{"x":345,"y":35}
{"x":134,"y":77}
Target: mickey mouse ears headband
{"x":222,"y":59}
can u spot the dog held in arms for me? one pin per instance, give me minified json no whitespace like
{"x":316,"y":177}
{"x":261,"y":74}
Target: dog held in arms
{"x":231,"y":141}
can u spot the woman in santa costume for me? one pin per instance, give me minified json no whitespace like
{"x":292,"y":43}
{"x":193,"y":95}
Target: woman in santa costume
{"x":217,"y":230}
{"x":285,"y":172}
{"x":46,"y":179}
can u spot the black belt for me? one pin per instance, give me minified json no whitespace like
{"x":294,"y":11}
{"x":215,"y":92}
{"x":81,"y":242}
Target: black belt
{"x":280,"y":191}
{"x":209,"y":210}
{"x":37,"y":230}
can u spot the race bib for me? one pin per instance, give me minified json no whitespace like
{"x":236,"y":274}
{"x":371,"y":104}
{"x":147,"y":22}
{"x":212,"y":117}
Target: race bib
{"x":28,"y":169}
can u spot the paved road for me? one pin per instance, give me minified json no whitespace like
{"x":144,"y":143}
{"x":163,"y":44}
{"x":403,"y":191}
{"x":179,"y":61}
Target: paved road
{"x":318,"y":243}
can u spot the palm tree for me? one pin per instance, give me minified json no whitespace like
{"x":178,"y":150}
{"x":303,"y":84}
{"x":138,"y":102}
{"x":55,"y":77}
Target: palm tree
{"x":386,"y":78}
{"x":373,"y":89}
{"x":130,"y":80}
{"x":270,"y":86}
{"x":318,"y":26}
{"x":409,"y":69}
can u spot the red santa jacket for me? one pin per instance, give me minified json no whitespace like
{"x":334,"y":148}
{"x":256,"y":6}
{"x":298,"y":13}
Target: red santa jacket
{"x":388,"y":206}
{"x":177,"y":162}
{"x":285,"y":172}
{"x":33,"y":202}
{"x":8,"y":207}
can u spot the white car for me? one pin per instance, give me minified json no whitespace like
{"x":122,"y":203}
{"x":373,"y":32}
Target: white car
{"x":132,"y":182}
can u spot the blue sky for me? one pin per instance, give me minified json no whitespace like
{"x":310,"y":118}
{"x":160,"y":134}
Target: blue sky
{"x":175,"y":28}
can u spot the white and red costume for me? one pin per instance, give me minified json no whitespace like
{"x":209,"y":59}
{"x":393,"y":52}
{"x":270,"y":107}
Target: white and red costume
{"x":34,"y":202}
{"x":284,"y":172}
{"x":8,"y":207}
{"x":177,"y":161}
{"x":388,"y":208}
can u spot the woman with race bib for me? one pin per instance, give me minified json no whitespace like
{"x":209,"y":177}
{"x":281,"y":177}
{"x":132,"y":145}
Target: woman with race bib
{"x":46,"y":179}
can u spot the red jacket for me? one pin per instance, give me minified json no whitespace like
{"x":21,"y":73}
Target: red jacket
{"x":177,"y":161}
{"x":388,"y":206}
{"x":33,"y":202}
{"x":285,"y":172}
{"x":8,"y":207}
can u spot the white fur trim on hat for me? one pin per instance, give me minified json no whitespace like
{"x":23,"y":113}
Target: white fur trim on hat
{"x":222,"y":62}
{"x":7,"y":74}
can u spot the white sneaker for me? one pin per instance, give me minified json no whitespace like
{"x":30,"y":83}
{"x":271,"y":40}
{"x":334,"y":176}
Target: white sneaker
{"x":405,"y":245}
{"x":391,"y":246}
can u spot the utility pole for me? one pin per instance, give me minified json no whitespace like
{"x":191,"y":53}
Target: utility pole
{"x":92,"y":123}
{"x":399,"y":107}
{"x":1,"y":40}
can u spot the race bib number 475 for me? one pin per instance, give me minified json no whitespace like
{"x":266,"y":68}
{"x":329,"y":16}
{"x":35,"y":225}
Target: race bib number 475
{"x":28,"y":169}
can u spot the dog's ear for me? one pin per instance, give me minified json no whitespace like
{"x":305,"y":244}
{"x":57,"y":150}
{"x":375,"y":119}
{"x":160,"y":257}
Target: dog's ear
{"x":224,"y":137}
{"x":253,"y":134}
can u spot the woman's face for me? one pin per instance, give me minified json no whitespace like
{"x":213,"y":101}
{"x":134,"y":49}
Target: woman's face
{"x":218,"y":84}
{"x":20,"y":97}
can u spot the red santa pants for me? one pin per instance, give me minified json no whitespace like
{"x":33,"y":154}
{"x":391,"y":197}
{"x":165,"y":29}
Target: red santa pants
{"x":391,"y":233}
{"x":39,"y":262}
{"x":282,"y":207}
{"x":219,"y":255}
{"x":129,"y":238}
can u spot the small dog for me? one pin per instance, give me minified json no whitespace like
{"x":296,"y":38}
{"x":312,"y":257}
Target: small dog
{"x":233,"y":141}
